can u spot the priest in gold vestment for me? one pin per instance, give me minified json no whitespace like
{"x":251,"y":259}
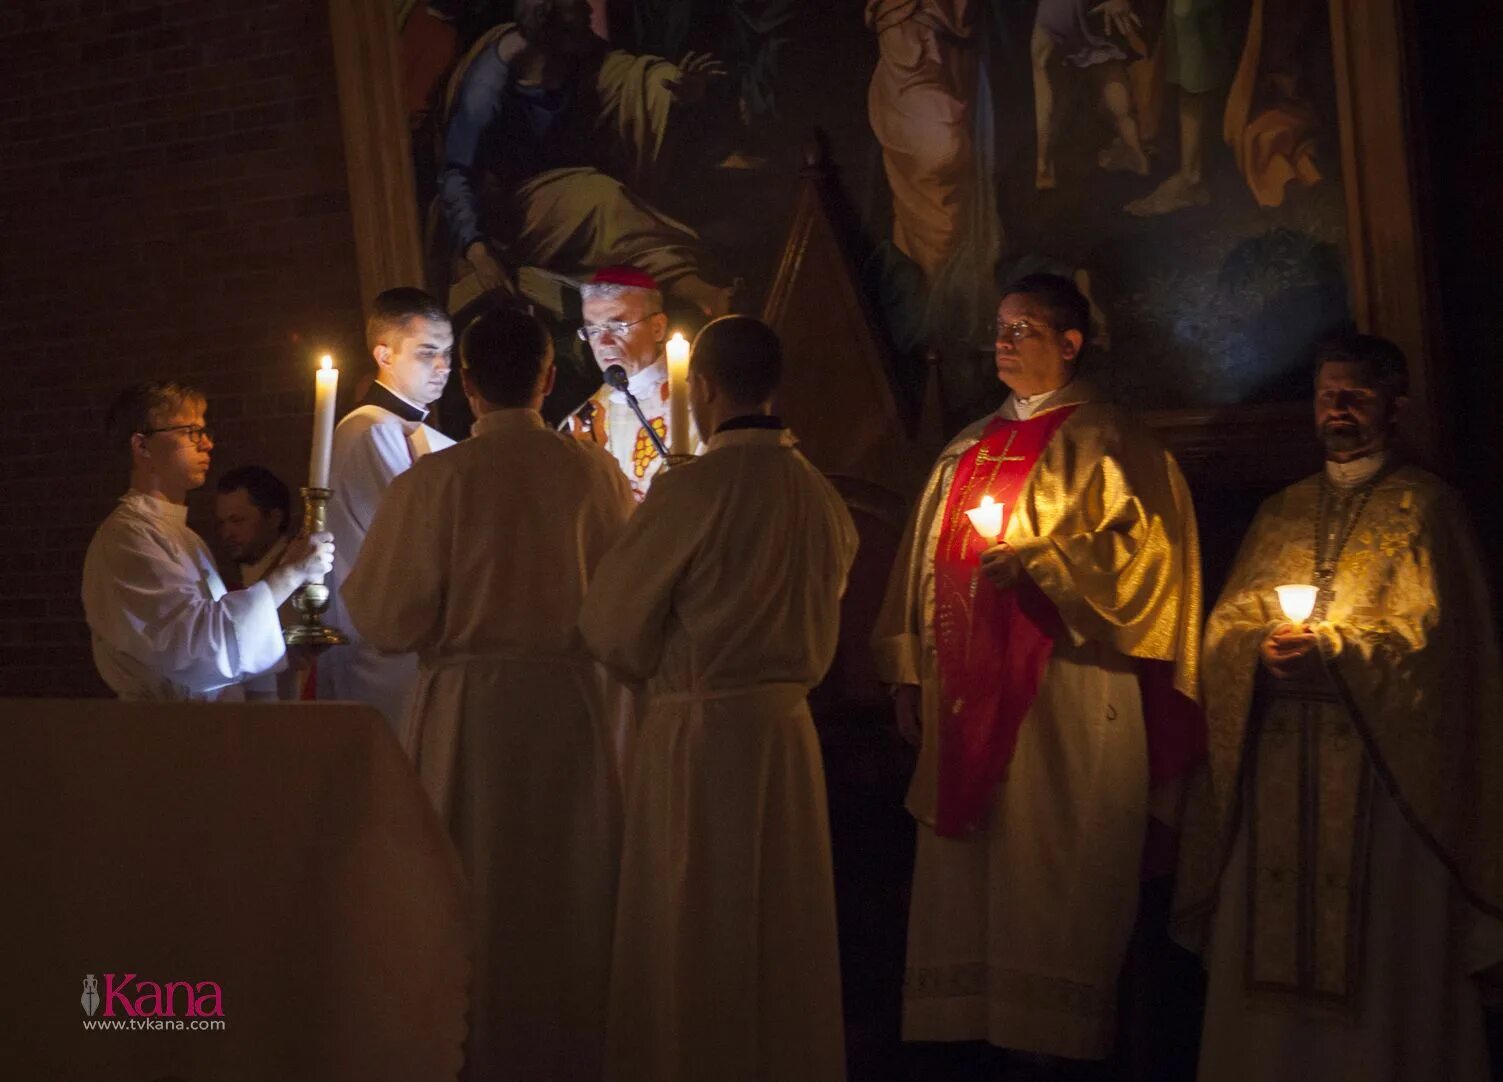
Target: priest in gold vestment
{"x":1051,"y":682}
{"x":1342,"y":863}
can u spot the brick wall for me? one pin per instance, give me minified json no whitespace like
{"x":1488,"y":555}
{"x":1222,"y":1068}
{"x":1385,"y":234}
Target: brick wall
{"x":172,"y":202}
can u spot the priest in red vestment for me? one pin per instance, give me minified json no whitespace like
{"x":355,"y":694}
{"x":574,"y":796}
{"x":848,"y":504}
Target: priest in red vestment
{"x":1049,"y":677}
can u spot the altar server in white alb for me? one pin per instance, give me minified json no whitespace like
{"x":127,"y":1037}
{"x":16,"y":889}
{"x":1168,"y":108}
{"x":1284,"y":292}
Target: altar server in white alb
{"x":724,"y":595}
{"x":477,"y":560}
{"x":411,"y":339}
{"x":163,"y":625}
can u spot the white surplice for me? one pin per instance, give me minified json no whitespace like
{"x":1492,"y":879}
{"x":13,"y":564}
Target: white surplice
{"x":724,"y":593}
{"x":163,"y":625}
{"x":477,"y":560}
{"x":284,"y":684}
{"x":372,"y":446}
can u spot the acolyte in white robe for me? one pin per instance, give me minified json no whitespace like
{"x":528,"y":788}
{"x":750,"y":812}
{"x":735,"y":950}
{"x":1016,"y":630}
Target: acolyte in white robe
{"x":163,"y":625}
{"x":724,"y":593}
{"x":477,"y":560}
{"x":372,"y":446}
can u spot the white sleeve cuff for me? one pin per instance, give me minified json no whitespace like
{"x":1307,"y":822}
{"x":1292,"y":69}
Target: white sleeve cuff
{"x":258,"y":630}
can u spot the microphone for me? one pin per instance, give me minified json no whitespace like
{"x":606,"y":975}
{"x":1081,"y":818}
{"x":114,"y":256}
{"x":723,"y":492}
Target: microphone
{"x":615,"y":376}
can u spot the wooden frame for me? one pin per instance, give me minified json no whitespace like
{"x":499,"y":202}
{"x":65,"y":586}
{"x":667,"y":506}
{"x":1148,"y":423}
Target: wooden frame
{"x":377,"y":153}
{"x":1388,"y":279}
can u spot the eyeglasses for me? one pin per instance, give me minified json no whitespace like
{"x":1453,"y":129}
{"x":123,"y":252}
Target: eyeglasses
{"x":198,"y":435}
{"x":592,"y":332}
{"x":1016,"y":331}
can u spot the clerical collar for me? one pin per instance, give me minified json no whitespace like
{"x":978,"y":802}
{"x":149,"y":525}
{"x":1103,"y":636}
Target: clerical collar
{"x":503,"y":419}
{"x":250,"y":574}
{"x":382,"y":395}
{"x":1024,"y":408}
{"x":155,"y":505}
{"x":751,"y":420}
{"x":1358,"y":471}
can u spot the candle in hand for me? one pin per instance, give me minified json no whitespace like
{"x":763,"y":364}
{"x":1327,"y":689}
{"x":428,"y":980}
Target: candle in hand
{"x":325,"y":389}
{"x":678,"y":395}
{"x":987,"y":518}
{"x":1297,"y":601}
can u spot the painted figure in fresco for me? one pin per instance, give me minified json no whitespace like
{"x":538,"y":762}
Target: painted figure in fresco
{"x":1270,"y":122}
{"x":921,"y":102}
{"x":748,"y":34}
{"x":930,"y":107}
{"x":1197,"y":64}
{"x":553,"y":146}
{"x":1085,"y":35}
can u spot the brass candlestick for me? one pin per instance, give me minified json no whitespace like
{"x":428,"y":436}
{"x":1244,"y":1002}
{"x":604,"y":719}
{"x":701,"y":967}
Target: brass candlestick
{"x":312,"y":598}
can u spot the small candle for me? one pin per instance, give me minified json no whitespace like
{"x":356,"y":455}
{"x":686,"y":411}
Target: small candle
{"x":325,"y":390}
{"x":1297,"y":601}
{"x":987,"y":518}
{"x":678,"y":395}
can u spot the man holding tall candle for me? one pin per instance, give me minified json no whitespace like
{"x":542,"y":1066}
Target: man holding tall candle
{"x":1342,"y":865}
{"x":411,"y":340}
{"x":624,"y":324}
{"x":1049,"y":677}
{"x":163,"y":625}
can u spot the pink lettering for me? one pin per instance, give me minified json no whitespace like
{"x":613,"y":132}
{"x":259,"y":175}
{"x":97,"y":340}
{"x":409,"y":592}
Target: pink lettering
{"x":112,"y":993}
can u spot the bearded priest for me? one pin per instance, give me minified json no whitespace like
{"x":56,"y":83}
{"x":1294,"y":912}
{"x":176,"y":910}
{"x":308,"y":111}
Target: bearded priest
{"x":1342,"y":864}
{"x":1049,"y":676}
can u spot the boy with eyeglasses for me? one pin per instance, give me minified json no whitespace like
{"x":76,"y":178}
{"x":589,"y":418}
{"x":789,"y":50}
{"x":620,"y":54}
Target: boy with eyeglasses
{"x":164,"y":626}
{"x":624,"y":324}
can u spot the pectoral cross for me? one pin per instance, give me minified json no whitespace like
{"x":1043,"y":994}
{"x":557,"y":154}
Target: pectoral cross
{"x":986,"y":456}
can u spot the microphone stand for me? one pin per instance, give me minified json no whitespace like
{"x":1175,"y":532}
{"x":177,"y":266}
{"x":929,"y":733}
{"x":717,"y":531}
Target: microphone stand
{"x":616,"y":377}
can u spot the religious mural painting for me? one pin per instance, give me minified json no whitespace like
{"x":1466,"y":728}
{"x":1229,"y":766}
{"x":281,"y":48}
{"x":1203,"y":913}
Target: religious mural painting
{"x":1178,"y":158}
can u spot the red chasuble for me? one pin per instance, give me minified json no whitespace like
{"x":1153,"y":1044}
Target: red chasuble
{"x":992,"y":644}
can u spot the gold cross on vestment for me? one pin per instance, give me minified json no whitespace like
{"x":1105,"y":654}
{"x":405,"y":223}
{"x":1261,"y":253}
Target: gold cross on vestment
{"x":986,"y":456}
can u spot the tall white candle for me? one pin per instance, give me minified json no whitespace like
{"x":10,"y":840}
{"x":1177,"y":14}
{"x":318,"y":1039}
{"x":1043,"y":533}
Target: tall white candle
{"x":678,"y":395}
{"x":325,"y":390}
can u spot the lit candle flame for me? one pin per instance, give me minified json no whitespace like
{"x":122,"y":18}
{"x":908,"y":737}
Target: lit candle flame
{"x":987,"y":518}
{"x":1297,"y":601}
{"x":326,"y":362}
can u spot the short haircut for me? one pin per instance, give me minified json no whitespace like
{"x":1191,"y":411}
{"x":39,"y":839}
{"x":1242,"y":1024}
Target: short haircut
{"x":505,"y":353}
{"x":265,"y":489}
{"x":393,"y":309}
{"x":1061,"y":300}
{"x":741,"y":356}
{"x":141,"y":405}
{"x":1383,"y":365}
{"x":593,"y":291}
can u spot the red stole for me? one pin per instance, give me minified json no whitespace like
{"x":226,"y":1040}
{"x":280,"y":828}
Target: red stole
{"x":992,"y":644}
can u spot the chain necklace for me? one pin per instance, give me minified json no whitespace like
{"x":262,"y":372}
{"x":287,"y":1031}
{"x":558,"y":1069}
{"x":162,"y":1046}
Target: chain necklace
{"x":1329,"y":543}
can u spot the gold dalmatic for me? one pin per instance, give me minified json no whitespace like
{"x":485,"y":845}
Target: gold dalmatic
{"x":1409,"y":698}
{"x":1104,"y":527}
